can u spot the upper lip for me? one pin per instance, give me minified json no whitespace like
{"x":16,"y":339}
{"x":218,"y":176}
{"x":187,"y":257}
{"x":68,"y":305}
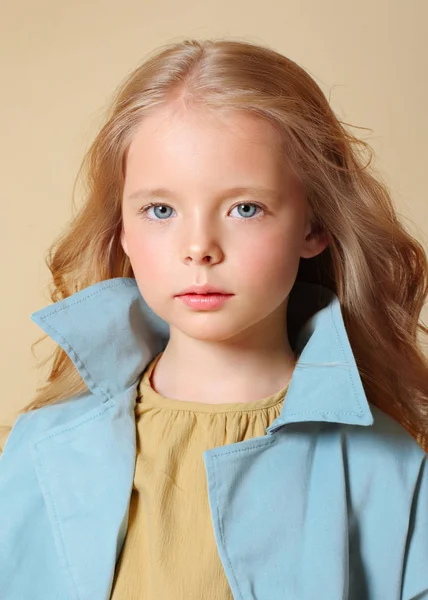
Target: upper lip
{"x":202,"y":289}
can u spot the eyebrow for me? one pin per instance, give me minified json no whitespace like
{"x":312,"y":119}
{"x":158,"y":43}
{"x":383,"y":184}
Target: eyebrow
{"x":261,"y":192}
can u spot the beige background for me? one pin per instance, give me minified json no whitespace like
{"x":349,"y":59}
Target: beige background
{"x":61,"y":61}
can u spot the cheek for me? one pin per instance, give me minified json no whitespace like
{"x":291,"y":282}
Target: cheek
{"x":269,"y":260}
{"x":149,"y":261}
{"x":146,"y":255}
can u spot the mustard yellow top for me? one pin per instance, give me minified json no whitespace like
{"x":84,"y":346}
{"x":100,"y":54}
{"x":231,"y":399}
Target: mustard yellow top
{"x":170,"y":551}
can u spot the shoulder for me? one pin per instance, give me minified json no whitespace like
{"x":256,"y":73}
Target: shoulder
{"x":390,"y":434}
{"x":385,"y":451}
{"x":33,"y":423}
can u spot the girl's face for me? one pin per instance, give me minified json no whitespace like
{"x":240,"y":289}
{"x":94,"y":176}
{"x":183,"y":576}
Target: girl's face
{"x":211,"y":228}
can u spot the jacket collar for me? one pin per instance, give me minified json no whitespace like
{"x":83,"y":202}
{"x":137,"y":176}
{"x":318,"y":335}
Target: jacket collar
{"x":111,"y":335}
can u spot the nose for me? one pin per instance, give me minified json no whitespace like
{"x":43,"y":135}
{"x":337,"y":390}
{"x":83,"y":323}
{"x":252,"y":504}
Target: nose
{"x":202,"y":244}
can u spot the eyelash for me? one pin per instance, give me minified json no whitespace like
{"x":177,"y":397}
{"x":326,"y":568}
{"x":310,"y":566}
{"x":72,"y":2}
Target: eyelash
{"x":143,"y":210}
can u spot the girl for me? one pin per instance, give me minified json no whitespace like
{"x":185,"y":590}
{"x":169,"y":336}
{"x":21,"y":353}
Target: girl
{"x":238,"y":403}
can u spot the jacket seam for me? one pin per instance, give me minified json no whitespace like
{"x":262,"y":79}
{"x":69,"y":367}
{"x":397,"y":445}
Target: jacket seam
{"x":271,"y":440}
{"x":65,"y":429}
{"x":76,"y":301}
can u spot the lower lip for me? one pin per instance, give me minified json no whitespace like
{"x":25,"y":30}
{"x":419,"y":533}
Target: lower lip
{"x":204,"y":301}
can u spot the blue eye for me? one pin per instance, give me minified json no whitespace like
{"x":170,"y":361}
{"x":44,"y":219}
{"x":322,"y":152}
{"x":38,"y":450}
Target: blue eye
{"x":160,"y":213}
{"x":163,"y":217}
{"x":247,"y":204}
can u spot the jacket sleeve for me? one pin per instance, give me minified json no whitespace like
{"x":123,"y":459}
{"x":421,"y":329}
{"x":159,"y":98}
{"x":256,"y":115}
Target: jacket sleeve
{"x":415,"y":571}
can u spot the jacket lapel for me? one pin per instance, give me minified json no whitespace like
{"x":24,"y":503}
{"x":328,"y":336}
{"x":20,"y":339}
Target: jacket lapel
{"x":281,"y":524}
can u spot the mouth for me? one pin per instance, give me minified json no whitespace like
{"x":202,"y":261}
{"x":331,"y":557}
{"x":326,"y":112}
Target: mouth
{"x":203,"y":290}
{"x":206,"y":301}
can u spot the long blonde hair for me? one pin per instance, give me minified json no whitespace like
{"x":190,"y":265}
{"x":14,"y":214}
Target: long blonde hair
{"x":377,"y":269}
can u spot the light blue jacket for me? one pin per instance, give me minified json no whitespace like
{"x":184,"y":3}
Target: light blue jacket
{"x":330,"y":504}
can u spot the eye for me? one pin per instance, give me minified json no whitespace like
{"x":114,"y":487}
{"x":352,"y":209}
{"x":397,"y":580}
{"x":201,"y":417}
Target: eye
{"x":245,"y":211}
{"x":163,"y":215}
{"x":154,"y":205}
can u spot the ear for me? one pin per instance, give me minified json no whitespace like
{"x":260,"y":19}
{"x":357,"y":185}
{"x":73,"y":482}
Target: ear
{"x":123,"y":242}
{"x":314,"y":243}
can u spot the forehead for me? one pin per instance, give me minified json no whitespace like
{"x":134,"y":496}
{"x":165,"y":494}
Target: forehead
{"x":205,"y":151}
{"x":180,"y":125}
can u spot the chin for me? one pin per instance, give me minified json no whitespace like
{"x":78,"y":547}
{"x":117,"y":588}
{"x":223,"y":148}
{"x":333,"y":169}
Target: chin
{"x":205,"y":331}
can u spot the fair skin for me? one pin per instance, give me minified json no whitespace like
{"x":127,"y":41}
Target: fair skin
{"x":201,"y":235}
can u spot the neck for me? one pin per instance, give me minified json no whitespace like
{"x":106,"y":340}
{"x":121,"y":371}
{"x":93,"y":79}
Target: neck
{"x":215,"y":372}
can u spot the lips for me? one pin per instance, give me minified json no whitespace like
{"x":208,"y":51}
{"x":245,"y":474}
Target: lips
{"x":204,"y":301}
{"x":202,"y":290}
